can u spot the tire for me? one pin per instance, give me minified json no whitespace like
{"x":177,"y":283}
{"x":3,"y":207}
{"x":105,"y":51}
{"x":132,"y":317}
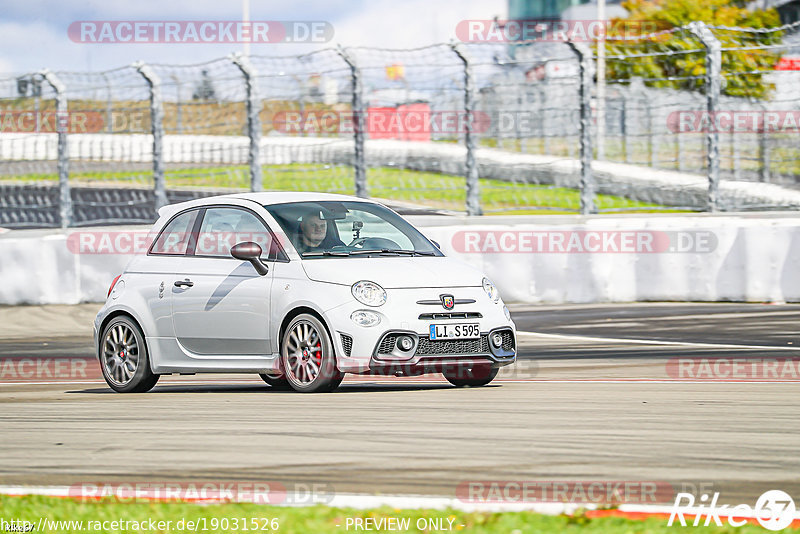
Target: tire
{"x":307,"y":356}
{"x":276,"y":382}
{"x":335,"y":382}
{"x":477,"y":376}
{"x":123,"y":357}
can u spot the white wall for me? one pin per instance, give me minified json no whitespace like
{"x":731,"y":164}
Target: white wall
{"x":742,"y":258}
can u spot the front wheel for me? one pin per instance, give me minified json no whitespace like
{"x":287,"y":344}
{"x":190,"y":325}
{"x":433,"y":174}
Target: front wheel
{"x":124,"y":359}
{"x":307,"y":356}
{"x":480,"y":375}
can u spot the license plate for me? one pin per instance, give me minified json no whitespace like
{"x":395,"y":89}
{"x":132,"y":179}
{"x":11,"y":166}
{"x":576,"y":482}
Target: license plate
{"x":455,"y":331}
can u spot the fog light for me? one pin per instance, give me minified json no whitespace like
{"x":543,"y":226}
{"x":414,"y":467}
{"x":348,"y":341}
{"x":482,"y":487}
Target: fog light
{"x":507,"y":312}
{"x":365,"y":318}
{"x":497,"y":340}
{"x":405,"y":343}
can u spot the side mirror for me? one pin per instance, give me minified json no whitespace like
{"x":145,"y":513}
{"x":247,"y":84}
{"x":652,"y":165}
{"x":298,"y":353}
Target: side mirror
{"x":249,"y":251}
{"x":437,"y":244}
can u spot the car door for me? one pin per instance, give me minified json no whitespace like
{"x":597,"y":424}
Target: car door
{"x":152,"y":275}
{"x":221,"y":305}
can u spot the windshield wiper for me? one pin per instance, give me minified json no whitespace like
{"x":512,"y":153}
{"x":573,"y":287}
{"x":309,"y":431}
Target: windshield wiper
{"x":326,"y":253}
{"x":393,"y":251}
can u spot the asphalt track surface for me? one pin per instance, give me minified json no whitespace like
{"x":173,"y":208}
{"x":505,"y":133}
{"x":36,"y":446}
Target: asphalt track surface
{"x":592,"y":398}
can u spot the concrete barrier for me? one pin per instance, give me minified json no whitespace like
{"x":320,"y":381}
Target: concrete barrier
{"x":547,"y":259}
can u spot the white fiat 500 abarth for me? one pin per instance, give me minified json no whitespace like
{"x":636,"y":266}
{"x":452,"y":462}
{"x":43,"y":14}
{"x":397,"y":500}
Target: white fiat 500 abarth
{"x":300,"y":288}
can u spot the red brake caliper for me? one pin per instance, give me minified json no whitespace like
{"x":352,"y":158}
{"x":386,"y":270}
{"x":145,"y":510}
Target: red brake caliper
{"x":319,"y":354}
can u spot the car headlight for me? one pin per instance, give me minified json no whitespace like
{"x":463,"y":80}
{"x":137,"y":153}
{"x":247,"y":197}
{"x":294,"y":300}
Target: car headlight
{"x":369,"y":293}
{"x":365,"y":318}
{"x":491,"y":291}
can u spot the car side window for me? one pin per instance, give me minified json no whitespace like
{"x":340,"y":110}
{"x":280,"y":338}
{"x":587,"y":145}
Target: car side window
{"x":222,"y":228}
{"x":175,"y":237}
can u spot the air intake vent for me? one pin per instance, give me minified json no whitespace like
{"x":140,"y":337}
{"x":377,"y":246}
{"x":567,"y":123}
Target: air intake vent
{"x":454,"y":346}
{"x":388,"y":343}
{"x":347,"y":344}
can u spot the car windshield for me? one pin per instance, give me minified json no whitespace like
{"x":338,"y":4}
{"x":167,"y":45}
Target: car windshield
{"x":329,"y":229}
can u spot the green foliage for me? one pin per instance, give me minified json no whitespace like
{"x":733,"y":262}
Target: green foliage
{"x":72,"y":515}
{"x":742,"y":70}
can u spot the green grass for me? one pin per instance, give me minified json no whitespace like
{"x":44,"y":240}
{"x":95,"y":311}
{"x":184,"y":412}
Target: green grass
{"x":434,"y":190}
{"x":317,"y":519}
{"x":681,"y":152}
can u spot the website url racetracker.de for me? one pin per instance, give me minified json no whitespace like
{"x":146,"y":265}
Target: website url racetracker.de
{"x":201,"y":524}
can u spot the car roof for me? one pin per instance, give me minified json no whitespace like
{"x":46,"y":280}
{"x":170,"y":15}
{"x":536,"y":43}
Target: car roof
{"x":264,"y":198}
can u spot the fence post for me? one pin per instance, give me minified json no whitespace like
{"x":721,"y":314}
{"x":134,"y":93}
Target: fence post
{"x":712,"y":87}
{"x":157,"y":129}
{"x":471,"y":167}
{"x":626,"y":141}
{"x":253,"y":120}
{"x":763,"y":149}
{"x":62,"y":121}
{"x":587,"y":185}
{"x":652,"y":138}
{"x":359,"y":120}
{"x":109,"y":104}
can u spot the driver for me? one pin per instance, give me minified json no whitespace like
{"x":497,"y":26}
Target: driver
{"x":314,"y":234}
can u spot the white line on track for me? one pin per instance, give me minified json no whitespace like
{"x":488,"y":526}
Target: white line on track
{"x":577,"y":337}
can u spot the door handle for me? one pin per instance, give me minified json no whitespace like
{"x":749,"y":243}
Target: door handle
{"x":184,"y":283}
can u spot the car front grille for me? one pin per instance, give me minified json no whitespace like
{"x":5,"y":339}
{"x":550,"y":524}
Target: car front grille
{"x":429,"y":347}
{"x":347,"y":344}
{"x":453,"y":346}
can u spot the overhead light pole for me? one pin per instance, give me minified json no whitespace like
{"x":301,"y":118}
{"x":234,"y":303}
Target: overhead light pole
{"x":601,"y":82}
{"x":245,"y":20}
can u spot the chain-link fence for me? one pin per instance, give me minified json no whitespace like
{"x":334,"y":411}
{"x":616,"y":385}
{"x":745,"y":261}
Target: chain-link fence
{"x":692,"y":118}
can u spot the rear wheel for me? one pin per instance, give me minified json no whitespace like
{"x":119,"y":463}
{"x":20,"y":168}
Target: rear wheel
{"x":307,"y":356}
{"x":480,"y":375}
{"x":123,"y":357}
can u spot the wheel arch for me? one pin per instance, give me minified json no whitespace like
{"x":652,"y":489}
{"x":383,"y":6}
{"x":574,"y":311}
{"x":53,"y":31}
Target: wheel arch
{"x":299,"y":310}
{"x":122,"y":313}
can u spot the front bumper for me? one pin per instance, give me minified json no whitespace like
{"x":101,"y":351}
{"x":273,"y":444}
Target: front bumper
{"x":408,"y":312}
{"x":429,"y":356}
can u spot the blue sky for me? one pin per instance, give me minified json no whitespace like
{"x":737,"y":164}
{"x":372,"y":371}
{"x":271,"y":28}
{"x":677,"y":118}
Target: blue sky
{"x":33,"y":33}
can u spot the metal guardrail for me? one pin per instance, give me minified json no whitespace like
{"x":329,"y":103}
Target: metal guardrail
{"x":517,"y":98}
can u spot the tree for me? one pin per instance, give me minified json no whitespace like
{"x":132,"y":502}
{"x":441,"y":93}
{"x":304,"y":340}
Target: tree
{"x":673,"y":66}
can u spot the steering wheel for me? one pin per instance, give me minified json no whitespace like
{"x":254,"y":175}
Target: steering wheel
{"x":369,"y":243}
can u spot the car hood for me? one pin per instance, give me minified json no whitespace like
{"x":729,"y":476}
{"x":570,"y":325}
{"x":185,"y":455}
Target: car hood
{"x":394,"y":272}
